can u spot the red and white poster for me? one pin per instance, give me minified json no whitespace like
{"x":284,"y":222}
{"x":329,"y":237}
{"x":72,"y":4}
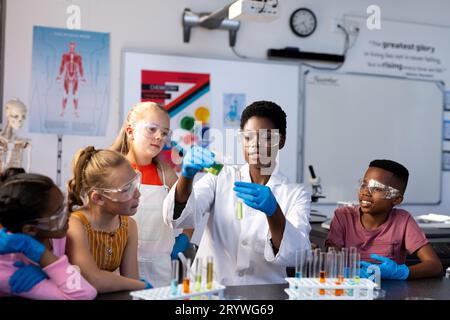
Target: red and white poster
{"x":186,"y":97}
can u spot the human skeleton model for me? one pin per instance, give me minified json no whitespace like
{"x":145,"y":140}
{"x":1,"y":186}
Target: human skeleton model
{"x":12,"y":147}
{"x":72,"y":67}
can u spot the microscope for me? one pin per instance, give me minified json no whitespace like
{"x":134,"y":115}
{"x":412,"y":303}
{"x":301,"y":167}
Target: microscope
{"x":316,"y":187}
{"x":315,"y":216}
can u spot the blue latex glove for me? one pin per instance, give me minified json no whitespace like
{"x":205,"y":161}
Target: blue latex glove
{"x":25,"y":277}
{"x":18,"y":242}
{"x":196,"y":159}
{"x":181,"y":244}
{"x":256,"y":196}
{"x":389,"y":269}
{"x":147,"y":284}
{"x":363,"y":273}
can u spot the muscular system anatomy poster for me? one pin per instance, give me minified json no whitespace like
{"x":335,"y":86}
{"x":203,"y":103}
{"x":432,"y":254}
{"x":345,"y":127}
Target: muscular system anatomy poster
{"x":70,"y":82}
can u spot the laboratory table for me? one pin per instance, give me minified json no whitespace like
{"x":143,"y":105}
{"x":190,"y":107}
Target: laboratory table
{"x":426,"y":289}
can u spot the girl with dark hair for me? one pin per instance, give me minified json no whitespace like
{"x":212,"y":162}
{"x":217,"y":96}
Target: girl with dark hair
{"x":33,"y":263}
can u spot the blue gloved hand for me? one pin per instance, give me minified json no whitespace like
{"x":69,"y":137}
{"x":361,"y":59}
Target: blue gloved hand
{"x":363,"y":272}
{"x":147,"y":284}
{"x":196,"y":159}
{"x":25,"y":277}
{"x":19,"y":242}
{"x":256,"y":196}
{"x":181,"y":244}
{"x":389,"y":269}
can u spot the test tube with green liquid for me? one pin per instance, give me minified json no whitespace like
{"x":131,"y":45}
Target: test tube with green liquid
{"x":198,"y":275}
{"x":209,"y":272}
{"x":215,"y":168}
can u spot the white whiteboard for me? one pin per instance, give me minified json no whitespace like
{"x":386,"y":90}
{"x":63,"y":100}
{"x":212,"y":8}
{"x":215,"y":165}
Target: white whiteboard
{"x":350,"y":120}
{"x":274,"y":81}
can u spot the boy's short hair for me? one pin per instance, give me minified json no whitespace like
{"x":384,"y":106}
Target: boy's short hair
{"x":266,"y":109}
{"x":399,"y":171}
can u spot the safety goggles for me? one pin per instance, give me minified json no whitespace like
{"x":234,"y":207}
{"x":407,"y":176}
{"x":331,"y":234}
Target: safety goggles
{"x":53,"y":223}
{"x":150,"y":129}
{"x":262,"y":138}
{"x":377,"y":189}
{"x":123,"y":193}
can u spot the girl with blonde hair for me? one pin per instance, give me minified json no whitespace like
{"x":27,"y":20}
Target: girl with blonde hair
{"x":102,"y":236}
{"x":142,"y":138}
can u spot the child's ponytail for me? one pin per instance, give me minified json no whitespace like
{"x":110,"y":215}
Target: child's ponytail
{"x":75,"y":185}
{"x":90,"y":168}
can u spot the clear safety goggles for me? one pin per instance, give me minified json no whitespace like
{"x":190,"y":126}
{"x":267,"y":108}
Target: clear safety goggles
{"x":123,"y":193}
{"x":262,"y":138}
{"x":53,"y":223}
{"x":150,"y":129}
{"x":377,"y":189}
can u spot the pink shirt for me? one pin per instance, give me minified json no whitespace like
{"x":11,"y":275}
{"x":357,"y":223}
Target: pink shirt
{"x":393,"y":239}
{"x":65,"y":281}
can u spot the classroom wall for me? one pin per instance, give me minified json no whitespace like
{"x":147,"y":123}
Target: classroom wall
{"x":155,"y":26}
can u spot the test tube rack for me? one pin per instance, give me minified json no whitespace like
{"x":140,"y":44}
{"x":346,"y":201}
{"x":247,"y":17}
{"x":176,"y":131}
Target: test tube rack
{"x":311,"y":289}
{"x":165,"y":293}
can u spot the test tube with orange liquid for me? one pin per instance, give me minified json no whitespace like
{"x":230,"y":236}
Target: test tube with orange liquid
{"x":322,"y":272}
{"x":186,"y":281}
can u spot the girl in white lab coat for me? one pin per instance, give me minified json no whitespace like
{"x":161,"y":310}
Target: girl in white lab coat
{"x":257,"y":248}
{"x":143,"y":136}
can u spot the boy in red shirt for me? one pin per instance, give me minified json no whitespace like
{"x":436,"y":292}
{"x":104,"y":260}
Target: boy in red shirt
{"x":381,"y":233}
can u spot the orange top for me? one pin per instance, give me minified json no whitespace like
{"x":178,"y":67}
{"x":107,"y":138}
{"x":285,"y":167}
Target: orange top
{"x":107,"y":248}
{"x":149,"y":173}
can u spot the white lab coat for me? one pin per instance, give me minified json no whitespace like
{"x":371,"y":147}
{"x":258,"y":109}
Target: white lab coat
{"x":241,"y":249}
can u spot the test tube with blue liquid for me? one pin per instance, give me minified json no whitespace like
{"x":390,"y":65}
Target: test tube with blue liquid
{"x":174,"y":278}
{"x":300,"y":258}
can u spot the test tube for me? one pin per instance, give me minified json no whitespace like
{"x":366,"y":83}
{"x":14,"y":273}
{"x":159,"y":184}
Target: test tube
{"x":344,"y":252}
{"x":197,"y":132}
{"x":198,"y":275}
{"x":356,"y":275}
{"x":322,"y":272}
{"x":237,"y":201}
{"x":308,"y":265}
{"x":174,"y":280}
{"x":339,"y":272}
{"x":209,"y":272}
{"x":186,"y":270}
{"x":300,"y":256}
{"x":352,"y":260}
{"x":331,"y":264}
{"x":315,"y":264}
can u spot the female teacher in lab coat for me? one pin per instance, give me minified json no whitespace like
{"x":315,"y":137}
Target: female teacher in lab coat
{"x":258,"y":248}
